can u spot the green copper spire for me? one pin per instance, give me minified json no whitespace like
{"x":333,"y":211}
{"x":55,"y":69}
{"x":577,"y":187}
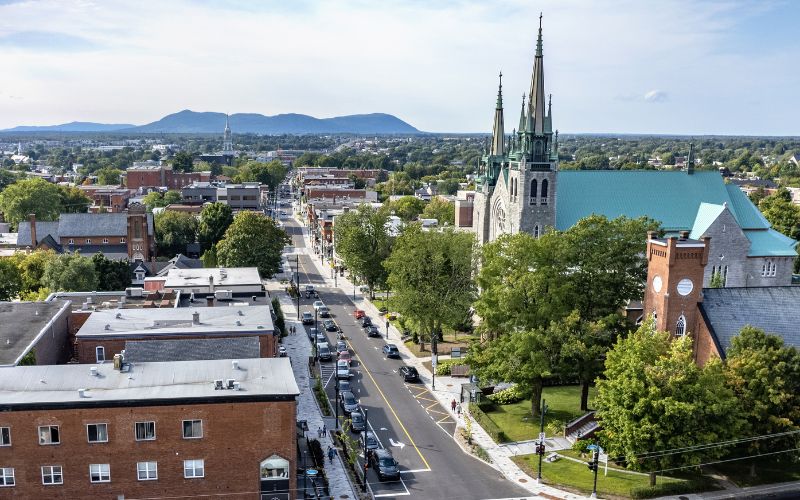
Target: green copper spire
{"x":536,"y":101}
{"x":498,"y":130}
{"x":522,"y":116}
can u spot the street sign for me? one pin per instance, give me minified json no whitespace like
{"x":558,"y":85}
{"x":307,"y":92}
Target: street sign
{"x":434,"y":361}
{"x":592,"y":447}
{"x":541,"y":437}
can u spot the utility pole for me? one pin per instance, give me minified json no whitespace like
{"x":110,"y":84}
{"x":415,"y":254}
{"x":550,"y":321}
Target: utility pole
{"x":366,"y":462}
{"x":540,"y":445}
{"x":297,"y":280}
{"x":434,"y":358}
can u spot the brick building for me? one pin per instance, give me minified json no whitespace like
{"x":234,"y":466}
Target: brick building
{"x":112,"y":199}
{"x":675,"y":299}
{"x":214,"y":429}
{"x":141,"y":177}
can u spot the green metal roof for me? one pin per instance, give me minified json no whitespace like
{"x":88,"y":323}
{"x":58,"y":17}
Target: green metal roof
{"x":673,"y":198}
{"x":770,"y":243}
{"x":706,"y":215}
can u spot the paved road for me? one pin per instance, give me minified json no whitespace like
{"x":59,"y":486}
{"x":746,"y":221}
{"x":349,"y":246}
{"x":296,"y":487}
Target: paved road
{"x":405,"y":417}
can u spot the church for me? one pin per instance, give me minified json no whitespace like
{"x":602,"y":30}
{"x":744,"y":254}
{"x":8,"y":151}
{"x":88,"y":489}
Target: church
{"x":520,"y":188}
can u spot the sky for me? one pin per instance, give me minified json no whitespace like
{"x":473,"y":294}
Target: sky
{"x":616,"y":66}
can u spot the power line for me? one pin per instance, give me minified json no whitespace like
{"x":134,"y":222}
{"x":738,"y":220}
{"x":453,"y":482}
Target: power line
{"x":726,"y":460}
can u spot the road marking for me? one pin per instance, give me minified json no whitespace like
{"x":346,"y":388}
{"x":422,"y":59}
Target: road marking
{"x":431,"y":405}
{"x":414,"y":471}
{"x":391,"y":408}
{"x":443,"y":419}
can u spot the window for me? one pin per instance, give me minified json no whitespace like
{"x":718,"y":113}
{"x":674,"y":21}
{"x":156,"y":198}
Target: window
{"x":193,"y":468}
{"x":88,"y":241}
{"x":71,"y":241}
{"x":534,"y":188}
{"x":100,"y":353}
{"x":100,"y":473}
{"x":122,"y":240}
{"x":5,"y":436}
{"x":536,"y":231}
{"x":105,"y":241}
{"x":7,"y":476}
{"x":147,"y":471}
{"x":192,"y":429}
{"x":680,"y":327}
{"x":145,"y":431}
{"x":48,"y":434}
{"x":97,"y":433}
{"x":543,"y":200}
{"x":275,"y":467}
{"x":51,"y":474}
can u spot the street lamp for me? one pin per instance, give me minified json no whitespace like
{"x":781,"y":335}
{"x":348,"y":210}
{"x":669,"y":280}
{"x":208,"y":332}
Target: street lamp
{"x":387,"y":328}
{"x":336,"y":404}
{"x":366,"y":426}
{"x":540,"y":446}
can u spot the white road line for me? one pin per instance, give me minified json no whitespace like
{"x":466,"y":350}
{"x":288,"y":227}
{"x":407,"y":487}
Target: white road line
{"x":414,"y":471}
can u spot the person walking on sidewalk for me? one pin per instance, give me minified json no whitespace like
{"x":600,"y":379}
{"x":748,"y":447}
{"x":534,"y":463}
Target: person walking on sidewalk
{"x":331,"y":453}
{"x":453,"y":405}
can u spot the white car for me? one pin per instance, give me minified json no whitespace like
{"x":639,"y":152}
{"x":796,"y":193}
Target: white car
{"x":343,"y":369}
{"x":318,"y":304}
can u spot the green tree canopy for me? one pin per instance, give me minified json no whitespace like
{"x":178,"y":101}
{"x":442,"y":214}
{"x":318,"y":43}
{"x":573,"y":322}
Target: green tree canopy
{"x":363,"y":243}
{"x":407,"y":208}
{"x":30,"y":196}
{"x":32,"y":266}
{"x":782,"y":213}
{"x":108,"y":176}
{"x":182,"y":162}
{"x":214,"y":221}
{"x":70,"y":273}
{"x":270,"y":174}
{"x":73,"y":200}
{"x":252,"y":240}
{"x":10,"y":280}
{"x":155,"y":199}
{"x":441,"y":210}
{"x":112,"y":275}
{"x":174,"y":230}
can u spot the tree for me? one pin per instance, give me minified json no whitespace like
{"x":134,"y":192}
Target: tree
{"x":7,"y":178}
{"x":10,"y":280}
{"x":407,"y":208}
{"x":32,"y":266}
{"x":182,"y":162}
{"x":782,"y":213}
{"x":430,"y":274}
{"x":174,"y":230}
{"x":112,"y":275}
{"x":30,"y":196}
{"x":441,"y":210}
{"x":358,"y":182}
{"x":72,"y":200}
{"x":252,"y":240}
{"x":214,"y":221}
{"x":448,"y":186}
{"x":155,"y":199}
{"x":363,"y":243}
{"x":70,"y":272}
{"x":108,"y":176}
{"x":765,"y":376}
{"x":655,"y":397}
{"x":270,"y":174}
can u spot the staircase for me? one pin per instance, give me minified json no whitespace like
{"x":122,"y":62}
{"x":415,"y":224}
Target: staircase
{"x":583,"y":427}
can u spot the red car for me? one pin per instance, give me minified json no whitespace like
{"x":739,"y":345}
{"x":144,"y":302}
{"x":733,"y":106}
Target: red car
{"x":345,"y":356}
{"x":359,"y":314}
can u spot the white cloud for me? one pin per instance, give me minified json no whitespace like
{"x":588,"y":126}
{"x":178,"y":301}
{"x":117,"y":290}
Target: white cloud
{"x":656,"y":96}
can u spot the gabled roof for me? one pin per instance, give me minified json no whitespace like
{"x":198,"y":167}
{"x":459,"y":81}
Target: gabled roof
{"x":79,"y":225}
{"x":770,"y":243}
{"x":43,"y":229}
{"x":773,"y":309}
{"x":706,"y":215}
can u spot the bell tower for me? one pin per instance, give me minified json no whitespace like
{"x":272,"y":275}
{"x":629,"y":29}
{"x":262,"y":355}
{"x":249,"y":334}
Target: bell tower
{"x":139,"y":242}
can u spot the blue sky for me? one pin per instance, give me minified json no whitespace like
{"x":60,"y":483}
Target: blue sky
{"x":628,"y":66}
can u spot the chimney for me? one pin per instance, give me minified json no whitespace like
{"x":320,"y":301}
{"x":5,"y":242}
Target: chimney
{"x":684,"y":235}
{"x":210,"y":301}
{"x":195,"y":318}
{"x":211,"y":284}
{"x":32,"y":219}
{"x":651,"y":235}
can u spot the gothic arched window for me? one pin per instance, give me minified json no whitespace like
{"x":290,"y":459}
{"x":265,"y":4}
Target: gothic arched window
{"x":536,"y":231}
{"x":534,"y":187}
{"x":680,"y":327}
{"x":544,"y":192}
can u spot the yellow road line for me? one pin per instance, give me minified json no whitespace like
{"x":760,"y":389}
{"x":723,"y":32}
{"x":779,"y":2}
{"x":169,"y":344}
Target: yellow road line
{"x":442,"y":420}
{"x":431,"y":405}
{"x":391,"y":408}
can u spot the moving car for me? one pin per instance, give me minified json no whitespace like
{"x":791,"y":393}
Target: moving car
{"x":372,"y":331}
{"x":348,"y":402}
{"x":341,"y":346}
{"x":384,"y":464}
{"x":318,"y":304}
{"x":365,"y":322}
{"x":324,"y":352}
{"x":342,"y":369}
{"x":345,"y":356}
{"x":358,"y":313}
{"x":281,"y":352}
{"x":409,"y":373}
{"x":308,"y":318}
{"x":390,"y":351}
{"x":324,"y":312}
{"x":330,"y":325}
{"x":357,"y":423}
{"x":372,"y":441}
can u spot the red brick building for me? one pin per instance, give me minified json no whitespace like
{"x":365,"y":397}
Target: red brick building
{"x":107,"y":198}
{"x":212,"y":429}
{"x":156,"y":176}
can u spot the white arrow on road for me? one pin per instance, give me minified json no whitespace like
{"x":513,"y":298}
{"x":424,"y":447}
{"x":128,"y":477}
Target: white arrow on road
{"x":384,"y":429}
{"x":397,"y":444}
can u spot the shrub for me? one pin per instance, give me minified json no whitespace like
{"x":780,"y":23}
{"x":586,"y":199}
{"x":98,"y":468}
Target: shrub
{"x":482,"y":454}
{"x":511,"y":395}
{"x":317,"y":453}
{"x":581,"y":446}
{"x":280,"y":323}
{"x":664,"y":489}
{"x":488,"y":424}
{"x":555,"y":427}
{"x":443,"y":367}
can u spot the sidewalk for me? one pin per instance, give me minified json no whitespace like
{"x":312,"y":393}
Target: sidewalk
{"x":299,"y":350}
{"x":447,"y":389}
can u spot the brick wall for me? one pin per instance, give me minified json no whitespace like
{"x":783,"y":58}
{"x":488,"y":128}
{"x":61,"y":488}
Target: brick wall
{"x":704,"y":347}
{"x":236,"y":438}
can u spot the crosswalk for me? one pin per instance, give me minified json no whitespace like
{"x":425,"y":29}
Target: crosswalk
{"x":328,"y":371}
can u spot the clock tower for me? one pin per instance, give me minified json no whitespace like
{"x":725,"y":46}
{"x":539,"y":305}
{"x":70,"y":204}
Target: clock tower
{"x":674,"y":286}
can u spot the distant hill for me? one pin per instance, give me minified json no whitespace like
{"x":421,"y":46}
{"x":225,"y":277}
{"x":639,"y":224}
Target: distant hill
{"x":193,"y":122}
{"x":71,"y":127}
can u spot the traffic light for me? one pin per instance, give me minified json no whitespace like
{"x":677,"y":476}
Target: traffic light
{"x":592,"y":466}
{"x":540,"y":449}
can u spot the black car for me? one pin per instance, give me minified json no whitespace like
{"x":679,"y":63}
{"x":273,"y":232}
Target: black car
{"x":409,"y":373}
{"x":372,"y":441}
{"x":344,"y":385}
{"x":330,"y":325}
{"x":390,"y":351}
{"x":357,"y":423}
{"x":384,"y":464}
{"x":348,"y":402}
{"x":372,"y":331}
{"x":308,"y":318}
{"x":365,"y":322}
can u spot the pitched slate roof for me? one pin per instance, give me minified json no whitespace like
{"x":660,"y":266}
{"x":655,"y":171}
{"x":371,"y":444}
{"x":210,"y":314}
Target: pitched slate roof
{"x":43,"y":228}
{"x":673,"y":197}
{"x":138,"y":351}
{"x":79,"y":225}
{"x":773,"y":309}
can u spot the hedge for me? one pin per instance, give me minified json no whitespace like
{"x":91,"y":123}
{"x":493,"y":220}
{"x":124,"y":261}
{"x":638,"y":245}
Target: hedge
{"x":443,"y":366}
{"x":665,"y":489}
{"x":511,"y":395}
{"x":488,"y":424}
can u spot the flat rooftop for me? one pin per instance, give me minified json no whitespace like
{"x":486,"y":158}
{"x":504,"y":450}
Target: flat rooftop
{"x":20,"y":325}
{"x":93,"y":301}
{"x":229,"y":276}
{"x":24,"y":387}
{"x":178,"y":321}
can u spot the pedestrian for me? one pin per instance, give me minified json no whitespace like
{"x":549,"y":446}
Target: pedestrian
{"x":453,"y":405}
{"x":324,"y":429}
{"x":331,"y":453}
{"x":458,"y":409}
{"x":319,"y":432}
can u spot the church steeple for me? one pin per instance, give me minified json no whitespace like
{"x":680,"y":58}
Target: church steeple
{"x":227,"y":140}
{"x":498,"y":129}
{"x":536,"y":101}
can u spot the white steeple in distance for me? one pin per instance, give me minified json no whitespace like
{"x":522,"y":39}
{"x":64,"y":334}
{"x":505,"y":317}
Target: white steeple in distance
{"x":227,"y":141}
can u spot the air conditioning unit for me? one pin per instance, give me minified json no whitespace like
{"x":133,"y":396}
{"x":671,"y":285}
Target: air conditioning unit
{"x":229,"y":383}
{"x":223,"y":294}
{"x":134,"y":292}
{"x":218,"y":385}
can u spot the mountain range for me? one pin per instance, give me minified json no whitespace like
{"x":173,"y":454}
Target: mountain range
{"x":193,"y":122}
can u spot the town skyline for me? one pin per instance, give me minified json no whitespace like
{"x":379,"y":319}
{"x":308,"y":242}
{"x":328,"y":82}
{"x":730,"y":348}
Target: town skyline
{"x":676,"y":68}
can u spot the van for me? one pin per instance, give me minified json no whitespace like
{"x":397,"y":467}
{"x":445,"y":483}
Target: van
{"x":324,"y":352}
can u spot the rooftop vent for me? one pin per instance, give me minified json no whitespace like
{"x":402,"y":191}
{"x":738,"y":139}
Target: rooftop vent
{"x":118,"y":316}
{"x":218,"y":384}
{"x":93,"y":371}
{"x":235,"y":364}
{"x":241,"y":313}
{"x":195,"y":318}
{"x":229,"y":383}
{"x":238,"y":323}
{"x":236,"y":386}
{"x":108,"y":327}
{"x":81,"y":393}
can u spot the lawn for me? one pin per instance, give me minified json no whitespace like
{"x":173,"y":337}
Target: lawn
{"x":515,"y":419}
{"x":767,"y":471}
{"x":578,"y":477}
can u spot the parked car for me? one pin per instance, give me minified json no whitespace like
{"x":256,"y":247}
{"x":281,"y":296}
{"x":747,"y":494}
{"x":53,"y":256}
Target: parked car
{"x":324,"y":312}
{"x":281,"y":351}
{"x":372,"y":331}
{"x":409,"y":373}
{"x":342,"y":369}
{"x":318,"y":304}
{"x":357,"y":423}
{"x":344,"y":385}
{"x":309,"y":288}
{"x":384,"y":464}
{"x":365,"y":322}
{"x":372,"y":441}
{"x":324,"y":352}
{"x":312,"y":333}
{"x":341,"y":346}
{"x":345,"y":356}
{"x":348,"y":402}
{"x":308,"y":318}
{"x":358,"y":313}
{"x":321,"y":338}
{"x":330,"y":325}
{"x":390,"y":351}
